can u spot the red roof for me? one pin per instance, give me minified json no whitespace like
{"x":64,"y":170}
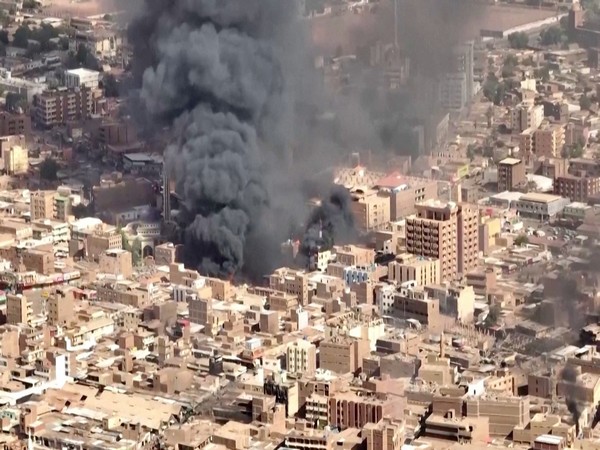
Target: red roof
{"x":391,"y":181}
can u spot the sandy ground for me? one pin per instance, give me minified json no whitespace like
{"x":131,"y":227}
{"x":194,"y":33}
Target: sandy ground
{"x":85,"y":8}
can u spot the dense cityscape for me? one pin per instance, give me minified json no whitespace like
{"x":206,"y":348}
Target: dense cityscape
{"x":299,"y":224}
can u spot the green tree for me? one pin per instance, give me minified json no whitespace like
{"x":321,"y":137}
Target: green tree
{"x":49,"y":170}
{"x":107,"y":17}
{"x":4,"y":37}
{"x":493,"y":315}
{"x":21,"y":37}
{"x":585,"y":102}
{"x":30,"y":4}
{"x":522,"y":239}
{"x":518,"y":40}
{"x":111,"y":87}
{"x":573,"y":151}
{"x":86,"y":59}
{"x":551,"y":36}
{"x":542,"y":73}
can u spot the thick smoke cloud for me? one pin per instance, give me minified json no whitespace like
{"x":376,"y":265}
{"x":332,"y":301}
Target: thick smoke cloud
{"x":219,"y":72}
{"x":233,"y":81}
{"x":569,"y":375}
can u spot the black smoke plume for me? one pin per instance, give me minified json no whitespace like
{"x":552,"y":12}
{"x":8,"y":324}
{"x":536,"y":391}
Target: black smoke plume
{"x":569,"y":375}
{"x":223,"y":75}
{"x":330,"y":222}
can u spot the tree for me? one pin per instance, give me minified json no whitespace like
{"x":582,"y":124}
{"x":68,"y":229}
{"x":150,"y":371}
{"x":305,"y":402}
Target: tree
{"x":521,"y":240}
{"x":111,"y":87}
{"x":551,"y":36}
{"x":518,"y":40}
{"x":585,"y":102}
{"x":21,"y":37}
{"x":493,"y":315}
{"x":543,"y":73}
{"x":30,"y":4}
{"x":86,"y":59}
{"x":107,"y":17}
{"x":573,"y":151}
{"x":49,"y":170}
{"x":4,"y":37}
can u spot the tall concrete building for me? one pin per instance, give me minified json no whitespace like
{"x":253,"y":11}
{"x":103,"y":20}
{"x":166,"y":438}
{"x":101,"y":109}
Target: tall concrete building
{"x":387,"y":434}
{"x":301,"y":357}
{"x":60,"y":307}
{"x":453,"y":91}
{"x":549,"y":141}
{"x":525,"y":117}
{"x":446,"y":231}
{"x":465,"y":63}
{"x":511,"y":174}
{"x":42,"y":205}
{"x":19,"y":309}
{"x":16,"y":160}
{"x":63,"y":105}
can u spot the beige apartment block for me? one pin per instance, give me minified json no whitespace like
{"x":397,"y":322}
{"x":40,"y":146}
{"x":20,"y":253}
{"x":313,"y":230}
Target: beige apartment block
{"x":116,"y":262}
{"x":511,"y":174}
{"x":445,"y":231}
{"x":342,"y":355}
{"x":42,"y":205}
{"x":16,"y":160}
{"x":19,"y":309}
{"x":60,"y":307}
{"x":371,"y":209}
{"x":549,"y":141}
{"x":290,"y":281}
{"x":421,"y":269}
{"x":301,"y":357}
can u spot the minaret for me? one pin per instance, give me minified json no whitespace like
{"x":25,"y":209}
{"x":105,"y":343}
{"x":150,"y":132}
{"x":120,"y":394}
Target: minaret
{"x":166,"y":196}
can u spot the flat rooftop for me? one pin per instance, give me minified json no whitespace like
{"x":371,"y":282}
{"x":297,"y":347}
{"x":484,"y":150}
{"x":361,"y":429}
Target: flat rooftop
{"x":538,"y":197}
{"x":510,"y":161}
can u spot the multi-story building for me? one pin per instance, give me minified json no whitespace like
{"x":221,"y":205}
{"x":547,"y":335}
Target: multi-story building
{"x":19,"y":309}
{"x":453,"y":91}
{"x":14,"y":124}
{"x":42,"y":205}
{"x":116,"y":262}
{"x":541,"y":206}
{"x":352,"y":409}
{"x":40,"y":261}
{"x":371,"y":209}
{"x":578,"y":189}
{"x":387,"y":434}
{"x":468,"y":237}
{"x":16,"y":160}
{"x":511,"y":174}
{"x":416,"y":304}
{"x":290,"y":281}
{"x":63,"y":105}
{"x":526,"y":141}
{"x":420,"y":269}
{"x":301,"y":357}
{"x":60,"y":307}
{"x":82,"y":77}
{"x":404,"y":192}
{"x":465,"y":63}
{"x":525,"y":117}
{"x":343,"y":354}
{"x":549,"y":140}
{"x":446,"y":231}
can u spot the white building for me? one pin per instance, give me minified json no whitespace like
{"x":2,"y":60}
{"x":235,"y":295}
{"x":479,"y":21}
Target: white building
{"x":82,"y":77}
